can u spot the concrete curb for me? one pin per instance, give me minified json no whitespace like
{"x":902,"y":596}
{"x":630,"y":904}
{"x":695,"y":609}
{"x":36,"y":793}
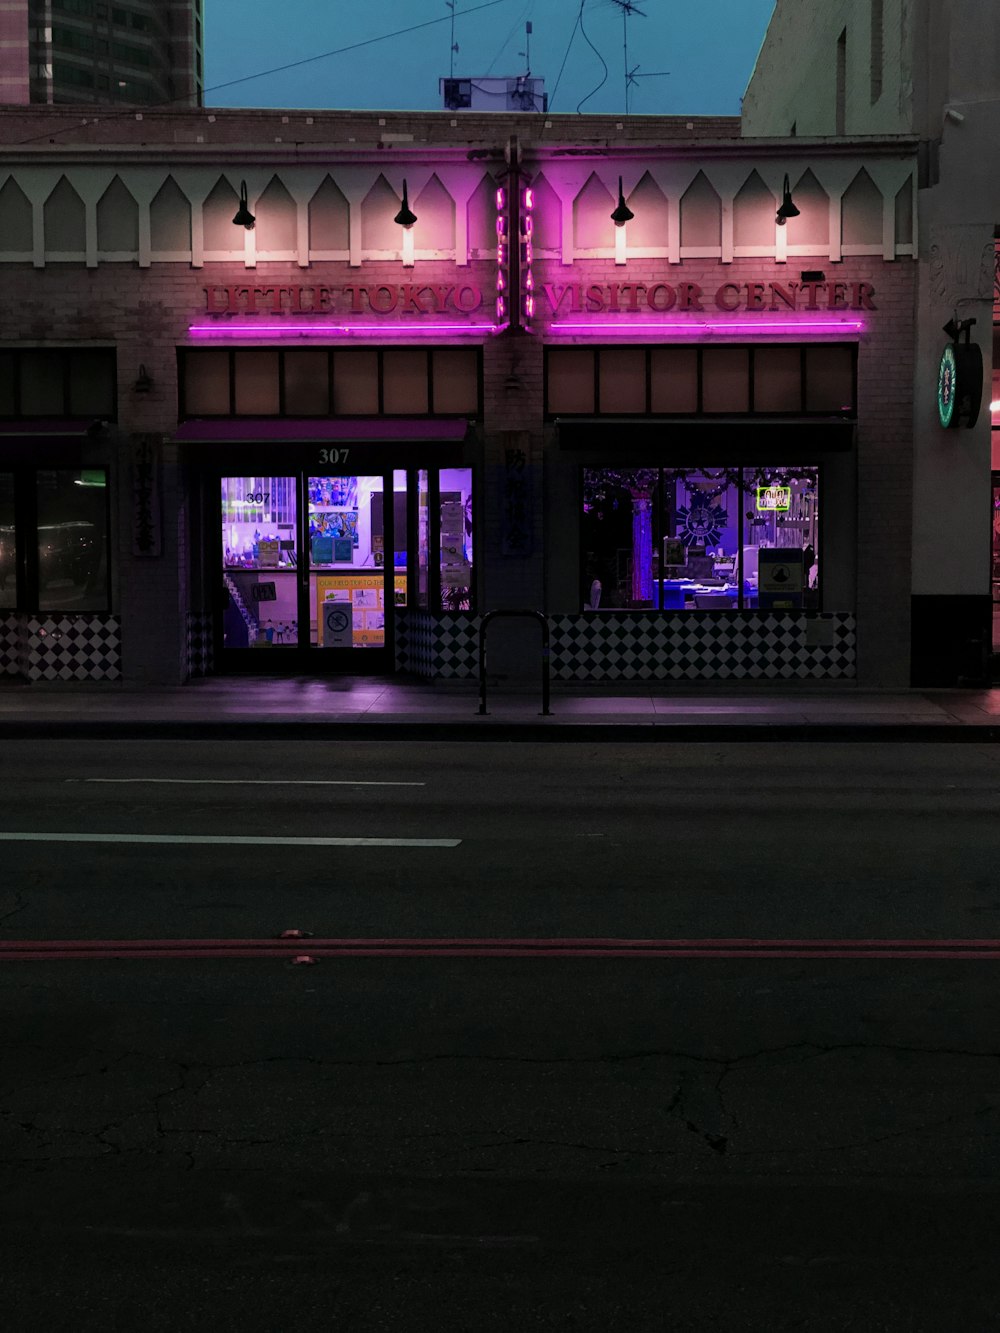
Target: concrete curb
{"x":496,"y":729}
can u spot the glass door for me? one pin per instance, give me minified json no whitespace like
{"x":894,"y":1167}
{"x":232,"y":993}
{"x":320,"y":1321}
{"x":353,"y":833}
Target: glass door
{"x":260,"y":560}
{"x":314,"y":569}
{"x":346,"y":531}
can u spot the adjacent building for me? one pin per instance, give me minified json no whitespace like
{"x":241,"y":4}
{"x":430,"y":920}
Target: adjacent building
{"x":139,"y":52}
{"x":931,"y":69}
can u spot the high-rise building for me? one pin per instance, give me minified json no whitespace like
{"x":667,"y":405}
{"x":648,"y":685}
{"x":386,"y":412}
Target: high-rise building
{"x":141,"y":52}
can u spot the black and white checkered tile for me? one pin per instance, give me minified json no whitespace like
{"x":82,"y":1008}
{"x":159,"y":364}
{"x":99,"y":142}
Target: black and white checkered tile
{"x":443,"y":648}
{"x":199,"y":644}
{"x":67,"y":647}
{"x":10,"y":639}
{"x":716,"y":646}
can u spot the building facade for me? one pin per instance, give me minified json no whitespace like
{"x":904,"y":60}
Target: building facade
{"x":290,"y":392}
{"x":931,"y":69}
{"x":137,"y":52}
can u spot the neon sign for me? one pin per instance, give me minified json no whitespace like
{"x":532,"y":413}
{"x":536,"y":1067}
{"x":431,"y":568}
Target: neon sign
{"x":774,"y":499}
{"x":278,"y":331}
{"x":503,"y":256}
{"x":527,"y":254}
{"x":694,"y":328}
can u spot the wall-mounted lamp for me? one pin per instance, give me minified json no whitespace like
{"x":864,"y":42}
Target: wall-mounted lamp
{"x":144,"y":381}
{"x":622,"y":213}
{"x":405,"y":218}
{"x":244,"y":218}
{"x":787,"y":209}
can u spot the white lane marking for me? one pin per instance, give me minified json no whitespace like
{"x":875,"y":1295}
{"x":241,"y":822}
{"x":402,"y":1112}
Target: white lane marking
{"x":238,"y":842}
{"x":255,"y":782}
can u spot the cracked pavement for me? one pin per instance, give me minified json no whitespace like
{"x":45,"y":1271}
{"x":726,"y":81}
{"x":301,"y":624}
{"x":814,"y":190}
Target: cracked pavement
{"x":505,"y":1143}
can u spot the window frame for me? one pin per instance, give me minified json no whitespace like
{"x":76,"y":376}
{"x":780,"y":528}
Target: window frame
{"x":26,"y":558}
{"x":183,"y":352}
{"x":657,"y":519}
{"x":795,"y":413}
{"x":65,"y":355}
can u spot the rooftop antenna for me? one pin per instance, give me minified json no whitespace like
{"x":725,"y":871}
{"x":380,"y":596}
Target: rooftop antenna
{"x":526,"y":53}
{"x":628,"y":8}
{"x":454,"y":45}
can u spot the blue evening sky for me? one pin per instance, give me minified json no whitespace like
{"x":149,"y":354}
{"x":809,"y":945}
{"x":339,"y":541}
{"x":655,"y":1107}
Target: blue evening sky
{"x":708,"y":48}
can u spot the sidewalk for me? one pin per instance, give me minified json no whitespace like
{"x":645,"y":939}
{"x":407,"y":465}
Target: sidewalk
{"x":366,"y":708}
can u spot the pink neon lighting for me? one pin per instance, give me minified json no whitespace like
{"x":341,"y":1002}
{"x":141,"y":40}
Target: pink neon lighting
{"x":529,"y":198}
{"x":279,"y":331}
{"x":715,"y":326}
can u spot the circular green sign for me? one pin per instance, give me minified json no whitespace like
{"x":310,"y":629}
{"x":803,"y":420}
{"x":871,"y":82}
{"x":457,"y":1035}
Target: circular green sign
{"x":947,"y":387}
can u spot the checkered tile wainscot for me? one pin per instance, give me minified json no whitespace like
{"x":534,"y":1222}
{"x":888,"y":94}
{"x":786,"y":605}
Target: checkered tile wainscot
{"x":703,"y":646}
{"x":640,"y":646}
{"x":61,"y":647}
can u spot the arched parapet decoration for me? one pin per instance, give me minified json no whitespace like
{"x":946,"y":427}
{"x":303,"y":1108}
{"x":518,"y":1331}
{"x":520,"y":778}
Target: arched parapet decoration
{"x":222,"y":241}
{"x":810,"y":232}
{"x":65,"y":222}
{"x":329,"y":222}
{"x":649,"y":230}
{"x":434,"y":229}
{"x":481,"y":219}
{"x":593,"y":230}
{"x":16,"y":224}
{"x":379,"y":234}
{"x":547,"y":219}
{"x":276,"y":230}
{"x":861,"y":217}
{"x":170,"y":238}
{"x":700,"y":220}
{"x":117,"y":224}
{"x":753,"y":218}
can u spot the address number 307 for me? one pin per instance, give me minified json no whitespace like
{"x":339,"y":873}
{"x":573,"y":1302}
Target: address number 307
{"x":333,"y":455}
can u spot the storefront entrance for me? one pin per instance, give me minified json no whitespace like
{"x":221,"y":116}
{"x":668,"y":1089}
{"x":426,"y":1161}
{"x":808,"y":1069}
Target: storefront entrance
{"x":313,"y":568}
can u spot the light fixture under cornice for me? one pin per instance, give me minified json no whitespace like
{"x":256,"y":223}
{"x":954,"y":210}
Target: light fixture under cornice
{"x":622,"y":213}
{"x":405,"y":218}
{"x":244,"y":218}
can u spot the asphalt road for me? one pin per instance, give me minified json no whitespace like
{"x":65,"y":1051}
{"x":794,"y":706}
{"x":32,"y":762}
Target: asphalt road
{"x":501,"y":1143}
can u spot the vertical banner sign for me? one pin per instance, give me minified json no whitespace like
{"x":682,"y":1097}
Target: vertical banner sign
{"x":515,"y":494}
{"x":527,"y":256}
{"x":147,"y":517}
{"x":503,"y":257}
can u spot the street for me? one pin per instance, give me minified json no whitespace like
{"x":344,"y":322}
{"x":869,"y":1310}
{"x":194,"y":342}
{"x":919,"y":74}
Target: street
{"x":553,"y":1141}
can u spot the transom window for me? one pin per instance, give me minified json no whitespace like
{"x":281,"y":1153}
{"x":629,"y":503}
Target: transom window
{"x":769,"y":380}
{"x":327,"y":381}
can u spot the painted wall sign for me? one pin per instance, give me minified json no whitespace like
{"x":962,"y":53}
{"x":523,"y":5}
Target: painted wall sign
{"x":407,"y":298}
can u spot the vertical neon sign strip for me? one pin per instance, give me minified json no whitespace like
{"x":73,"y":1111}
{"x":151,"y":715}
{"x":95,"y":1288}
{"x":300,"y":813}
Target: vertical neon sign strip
{"x":527,"y":278}
{"x":503,"y":253}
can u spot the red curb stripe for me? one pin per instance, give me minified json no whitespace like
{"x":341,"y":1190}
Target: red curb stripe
{"x":38,"y":950}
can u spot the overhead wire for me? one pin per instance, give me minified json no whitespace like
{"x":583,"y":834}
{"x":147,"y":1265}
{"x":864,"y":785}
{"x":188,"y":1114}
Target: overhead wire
{"x":566,"y":55}
{"x":144,"y":108}
{"x":600,"y":58}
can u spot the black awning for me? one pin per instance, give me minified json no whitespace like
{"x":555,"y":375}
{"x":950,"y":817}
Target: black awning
{"x":666,"y":440}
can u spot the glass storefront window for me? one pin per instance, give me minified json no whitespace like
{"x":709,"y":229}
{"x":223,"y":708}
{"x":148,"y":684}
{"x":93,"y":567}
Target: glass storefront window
{"x":260,"y":560}
{"x":456,"y":538}
{"x":699,"y":539}
{"x":423,"y":537}
{"x":72,"y":509}
{"x":8,"y":543}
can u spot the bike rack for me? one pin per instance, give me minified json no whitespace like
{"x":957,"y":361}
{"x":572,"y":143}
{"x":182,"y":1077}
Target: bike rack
{"x":494,"y":615}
